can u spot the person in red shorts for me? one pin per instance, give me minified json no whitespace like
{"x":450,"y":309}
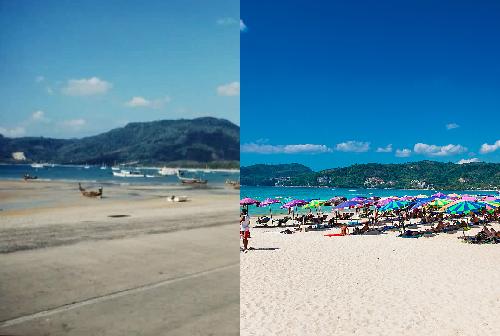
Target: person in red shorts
{"x":245,"y":229}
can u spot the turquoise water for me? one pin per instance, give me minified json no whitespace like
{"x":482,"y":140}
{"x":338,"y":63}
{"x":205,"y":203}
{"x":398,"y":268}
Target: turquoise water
{"x":95,"y":174}
{"x":305,"y":193}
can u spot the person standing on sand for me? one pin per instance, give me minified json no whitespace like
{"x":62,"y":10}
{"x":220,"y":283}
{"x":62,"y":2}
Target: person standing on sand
{"x":245,"y":229}
{"x":344,"y":230}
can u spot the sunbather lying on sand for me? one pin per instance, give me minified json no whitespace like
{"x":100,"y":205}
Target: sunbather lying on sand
{"x":439,"y":227}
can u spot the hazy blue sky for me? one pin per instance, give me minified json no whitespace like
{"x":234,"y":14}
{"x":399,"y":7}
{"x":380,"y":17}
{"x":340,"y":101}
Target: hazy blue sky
{"x":75,"y":68}
{"x":330,"y":83}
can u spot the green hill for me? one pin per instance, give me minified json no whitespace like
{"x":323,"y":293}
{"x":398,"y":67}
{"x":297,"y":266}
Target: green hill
{"x":269,"y":175}
{"x":414,"y":175}
{"x":197,"y":142}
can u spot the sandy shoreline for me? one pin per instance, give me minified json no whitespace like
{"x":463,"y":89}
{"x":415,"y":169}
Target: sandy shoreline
{"x":308,"y":284}
{"x":67,"y":268}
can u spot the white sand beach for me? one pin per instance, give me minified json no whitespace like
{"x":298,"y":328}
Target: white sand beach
{"x":308,"y":284}
{"x":156,"y":267}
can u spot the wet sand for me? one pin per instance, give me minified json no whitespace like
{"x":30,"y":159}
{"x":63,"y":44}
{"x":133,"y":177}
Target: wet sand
{"x":168,"y":268}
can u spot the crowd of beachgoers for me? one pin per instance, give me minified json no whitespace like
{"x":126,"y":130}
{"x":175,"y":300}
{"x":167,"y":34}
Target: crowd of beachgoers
{"x":411,"y":216}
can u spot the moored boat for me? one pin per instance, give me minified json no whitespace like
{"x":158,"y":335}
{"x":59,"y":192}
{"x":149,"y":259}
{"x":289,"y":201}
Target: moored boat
{"x":165,"y":171}
{"x":128,"y":173}
{"x":191,"y":180}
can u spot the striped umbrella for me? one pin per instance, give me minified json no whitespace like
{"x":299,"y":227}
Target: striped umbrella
{"x":490,"y":205}
{"x":466,"y":207}
{"x":394,"y":205}
{"x":438,"y":202}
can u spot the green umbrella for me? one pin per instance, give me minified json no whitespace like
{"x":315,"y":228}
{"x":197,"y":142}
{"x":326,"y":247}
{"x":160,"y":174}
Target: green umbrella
{"x":394,"y":205}
{"x":439,"y":202}
{"x":464,"y":207}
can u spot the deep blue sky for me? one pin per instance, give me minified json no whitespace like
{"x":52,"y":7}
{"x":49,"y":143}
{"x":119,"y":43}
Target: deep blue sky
{"x":73,"y":68}
{"x":377,"y":72}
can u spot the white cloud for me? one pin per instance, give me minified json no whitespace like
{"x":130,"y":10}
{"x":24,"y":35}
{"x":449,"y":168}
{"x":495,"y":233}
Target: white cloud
{"x":230,"y":89}
{"x":452,"y":126}
{"x":39,"y":79}
{"x":13,"y":132}
{"x":49,"y":90}
{"x":284,"y":149}
{"x":353,"y":146}
{"x":463,"y":161}
{"x":75,"y":124}
{"x":405,"y":152}
{"x":38,"y":116}
{"x":227,"y":21}
{"x":386,"y":149}
{"x":86,"y":87}
{"x":138,"y":102}
{"x":433,"y":150}
{"x":243,"y":26}
{"x":486,"y":148}
{"x":143,"y":102}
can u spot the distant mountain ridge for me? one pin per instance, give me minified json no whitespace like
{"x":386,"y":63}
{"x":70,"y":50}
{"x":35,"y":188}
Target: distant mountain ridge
{"x":269,"y":175}
{"x":411,"y":175}
{"x":197,"y":142}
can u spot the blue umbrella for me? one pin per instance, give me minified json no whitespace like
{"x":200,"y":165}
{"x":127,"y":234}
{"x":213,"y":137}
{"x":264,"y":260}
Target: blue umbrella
{"x":348,"y":204}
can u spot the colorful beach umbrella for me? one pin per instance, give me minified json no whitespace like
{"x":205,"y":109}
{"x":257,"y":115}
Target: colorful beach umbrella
{"x":462,"y":207}
{"x":248,"y":201}
{"x":269,"y":201}
{"x":386,"y":200}
{"x":490,"y":205}
{"x":348,"y":204}
{"x":438,"y":202}
{"x":294,"y":203}
{"x":439,"y":195}
{"x":394,"y":205}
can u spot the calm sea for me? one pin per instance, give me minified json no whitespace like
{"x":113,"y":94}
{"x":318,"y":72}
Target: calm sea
{"x":288,"y":193}
{"x":98,"y":175}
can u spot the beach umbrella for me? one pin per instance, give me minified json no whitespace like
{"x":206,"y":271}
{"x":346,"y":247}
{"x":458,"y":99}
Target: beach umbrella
{"x":439,"y":195}
{"x":245,"y":202}
{"x":462,"y":207}
{"x":248,"y":201}
{"x":421,"y":196}
{"x":438,"y":202}
{"x":469,"y":198}
{"x":348,"y":204}
{"x":419,"y":204}
{"x":394,"y":205}
{"x":490,"y":205}
{"x":358,"y":198}
{"x":314,"y":204}
{"x":268,"y":202}
{"x":294,"y":203}
{"x":384,"y":201}
{"x":453,"y":195}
